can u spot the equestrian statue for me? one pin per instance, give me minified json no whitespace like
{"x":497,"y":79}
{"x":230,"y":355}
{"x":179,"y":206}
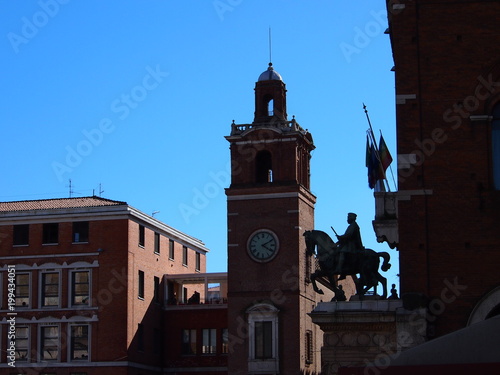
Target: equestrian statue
{"x":348,"y":256}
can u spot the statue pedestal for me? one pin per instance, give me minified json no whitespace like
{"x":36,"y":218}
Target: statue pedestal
{"x":366,"y":332}
{"x":356,"y":298}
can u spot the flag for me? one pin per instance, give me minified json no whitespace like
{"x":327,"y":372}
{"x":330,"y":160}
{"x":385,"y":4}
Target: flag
{"x":373,"y":165}
{"x":385,"y":155}
{"x":368,"y":155}
{"x":374,"y":162}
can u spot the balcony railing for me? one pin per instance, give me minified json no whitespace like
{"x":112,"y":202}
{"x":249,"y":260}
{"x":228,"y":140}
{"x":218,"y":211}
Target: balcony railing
{"x":285,"y":126}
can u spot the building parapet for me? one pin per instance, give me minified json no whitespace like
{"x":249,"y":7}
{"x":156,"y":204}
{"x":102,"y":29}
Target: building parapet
{"x":284,"y":126}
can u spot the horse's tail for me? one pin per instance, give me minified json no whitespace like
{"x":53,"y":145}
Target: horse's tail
{"x":386,"y":256}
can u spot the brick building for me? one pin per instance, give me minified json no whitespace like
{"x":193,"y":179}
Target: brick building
{"x":448,"y":200}
{"x":269,"y":206}
{"x":447,"y":118}
{"x":92,"y":288}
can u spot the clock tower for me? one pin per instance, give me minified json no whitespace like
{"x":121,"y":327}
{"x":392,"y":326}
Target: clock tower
{"x":269,"y":206}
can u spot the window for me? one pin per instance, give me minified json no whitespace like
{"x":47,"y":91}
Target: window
{"x":141,"y":235}
{"x":309,"y":347}
{"x":141,"y":285}
{"x":263,"y":340}
{"x":171,"y":253}
{"x":50,"y":233}
{"x":140,"y":337}
{"x":198,"y":261}
{"x":184,"y":256}
{"x":79,"y":349}
{"x":188,"y":341}
{"x":50,"y":289}
{"x":22,"y":290}
{"x":156,"y":289}
{"x":157,"y":243}
{"x":209,"y":341}
{"x":495,"y":139}
{"x":49,"y":343}
{"x":21,"y":234}
{"x":22,"y":343}
{"x":263,"y":337}
{"x":81,"y":231}
{"x":80,"y":288}
{"x":225,"y":341}
{"x":263,"y":167}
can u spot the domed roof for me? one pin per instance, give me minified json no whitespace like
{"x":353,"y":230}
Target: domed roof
{"x":270,"y":74}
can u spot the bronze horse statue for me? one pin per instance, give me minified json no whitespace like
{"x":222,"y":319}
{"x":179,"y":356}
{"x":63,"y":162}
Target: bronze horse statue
{"x":365,"y":263}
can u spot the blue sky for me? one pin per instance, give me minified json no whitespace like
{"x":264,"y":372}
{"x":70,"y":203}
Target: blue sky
{"x":137,"y":96}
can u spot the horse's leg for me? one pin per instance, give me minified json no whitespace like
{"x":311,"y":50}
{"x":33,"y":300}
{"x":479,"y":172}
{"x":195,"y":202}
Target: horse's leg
{"x":383,"y":281}
{"x":313,"y":281}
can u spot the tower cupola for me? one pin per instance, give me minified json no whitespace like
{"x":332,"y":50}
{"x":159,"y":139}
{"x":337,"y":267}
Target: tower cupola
{"x":270,"y":97}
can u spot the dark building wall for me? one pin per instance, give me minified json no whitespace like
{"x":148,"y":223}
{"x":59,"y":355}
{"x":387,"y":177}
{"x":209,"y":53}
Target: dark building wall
{"x":446,"y":71}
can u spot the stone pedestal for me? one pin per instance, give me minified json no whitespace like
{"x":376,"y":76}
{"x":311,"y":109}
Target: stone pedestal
{"x":366,"y":333}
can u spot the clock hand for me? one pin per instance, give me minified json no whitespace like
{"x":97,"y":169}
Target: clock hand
{"x":267,"y":248}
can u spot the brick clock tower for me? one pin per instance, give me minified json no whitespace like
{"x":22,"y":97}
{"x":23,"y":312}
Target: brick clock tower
{"x":269,"y":208}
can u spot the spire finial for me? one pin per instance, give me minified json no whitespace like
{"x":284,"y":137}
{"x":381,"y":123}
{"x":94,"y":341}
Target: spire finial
{"x":270,"y":48}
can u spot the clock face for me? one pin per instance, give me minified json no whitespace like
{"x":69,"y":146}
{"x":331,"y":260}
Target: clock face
{"x":263,"y":245}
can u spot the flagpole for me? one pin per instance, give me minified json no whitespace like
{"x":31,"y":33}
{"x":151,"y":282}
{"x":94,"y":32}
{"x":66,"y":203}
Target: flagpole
{"x":390,"y":167}
{"x":377,"y":154}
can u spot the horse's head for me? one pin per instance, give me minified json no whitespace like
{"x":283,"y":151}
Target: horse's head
{"x":310,"y":243}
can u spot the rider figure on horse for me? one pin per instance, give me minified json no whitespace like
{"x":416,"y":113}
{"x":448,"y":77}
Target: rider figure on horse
{"x":349,"y":243}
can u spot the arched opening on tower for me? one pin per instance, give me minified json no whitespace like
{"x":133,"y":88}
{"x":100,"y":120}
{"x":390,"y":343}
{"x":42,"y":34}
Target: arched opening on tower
{"x":270,"y":107}
{"x":263,"y":167}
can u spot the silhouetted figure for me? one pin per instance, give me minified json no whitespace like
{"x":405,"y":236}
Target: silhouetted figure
{"x":394,"y":292}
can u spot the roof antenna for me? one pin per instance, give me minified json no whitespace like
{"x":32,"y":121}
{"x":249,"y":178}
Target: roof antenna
{"x":70,"y":189}
{"x":270,"y":48}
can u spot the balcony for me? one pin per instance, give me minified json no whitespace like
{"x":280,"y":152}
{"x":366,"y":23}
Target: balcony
{"x":208,"y":290}
{"x":386,"y":218}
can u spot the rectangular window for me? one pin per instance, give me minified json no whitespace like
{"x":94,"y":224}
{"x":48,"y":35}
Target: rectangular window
{"x":198,"y":261}
{"x":156,"y":289}
{"x":188,"y":341}
{"x":21,"y":235}
{"x":309,"y":347}
{"x":225,"y":341}
{"x":184,"y":256}
{"x":80,"y":288}
{"x":171,"y":253}
{"x":209,"y":341}
{"x":22,"y":343}
{"x":141,"y":284}
{"x":140,"y":337}
{"x":49,"y":343}
{"x":50,"y":233}
{"x":157,"y":243}
{"x":263,"y":340}
{"x":22,"y":290}
{"x":50,"y":289}
{"x":81,"y":231}
{"x":141,"y":235}
{"x":79,"y":350}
